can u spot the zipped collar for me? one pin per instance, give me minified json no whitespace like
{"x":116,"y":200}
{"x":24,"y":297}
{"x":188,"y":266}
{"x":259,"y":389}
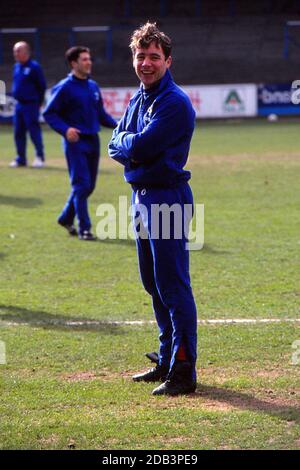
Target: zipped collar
{"x":78,"y":80}
{"x":159,"y":87}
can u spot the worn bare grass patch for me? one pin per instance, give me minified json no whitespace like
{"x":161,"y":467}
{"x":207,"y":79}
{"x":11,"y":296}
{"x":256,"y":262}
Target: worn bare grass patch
{"x":49,"y":441}
{"x":209,"y":398}
{"x":103,"y":375}
{"x":221,"y":375}
{"x":219,"y":397}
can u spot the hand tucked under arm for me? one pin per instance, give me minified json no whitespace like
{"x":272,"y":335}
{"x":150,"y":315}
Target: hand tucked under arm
{"x":114,"y":150}
{"x":164,"y":129}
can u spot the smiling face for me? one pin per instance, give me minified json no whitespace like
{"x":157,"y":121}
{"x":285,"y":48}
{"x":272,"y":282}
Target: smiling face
{"x":82,"y":67}
{"x":150,"y":64}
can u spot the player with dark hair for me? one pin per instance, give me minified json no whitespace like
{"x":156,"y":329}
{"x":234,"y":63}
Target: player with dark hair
{"x":73,"y":54}
{"x":152,"y":141}
{"x":75,"y":110}
{"x":29,"y":88}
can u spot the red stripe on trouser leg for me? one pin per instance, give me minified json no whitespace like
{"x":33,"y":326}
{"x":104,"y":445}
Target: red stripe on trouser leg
{"x":181,"y":355}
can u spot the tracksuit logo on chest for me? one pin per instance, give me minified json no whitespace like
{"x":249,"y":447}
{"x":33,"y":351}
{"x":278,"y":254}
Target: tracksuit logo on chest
{"x":148,"y":114}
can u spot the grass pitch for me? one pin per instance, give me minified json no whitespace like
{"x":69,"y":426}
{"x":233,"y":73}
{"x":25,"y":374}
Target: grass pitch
{"x":67,"y":385}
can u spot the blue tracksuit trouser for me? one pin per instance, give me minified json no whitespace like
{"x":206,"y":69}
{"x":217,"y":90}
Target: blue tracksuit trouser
{"x":164,"y":270}
{"x":83,"y":162}
{"x":26,"y":119}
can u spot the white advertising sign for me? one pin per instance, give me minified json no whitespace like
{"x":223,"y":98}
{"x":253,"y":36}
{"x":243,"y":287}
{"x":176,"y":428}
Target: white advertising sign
{"x":209,"y":101}
{"x":221,"y":101}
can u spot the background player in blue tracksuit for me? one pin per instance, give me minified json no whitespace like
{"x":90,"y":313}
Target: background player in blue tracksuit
{"x":75,"y":110}
{"x":152,"y":141}
{"x":29,"y":88}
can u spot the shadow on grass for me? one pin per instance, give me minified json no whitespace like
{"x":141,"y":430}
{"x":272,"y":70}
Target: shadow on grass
{"x":279,"y":408}
{"x":209,"y":250}
{"x":3,"y":255}
{"x":118,"y":241}
{"x":108,"y":241}
{"x":65,"y":169}
{"x":49,"y":321}
{"x":23,"y":202}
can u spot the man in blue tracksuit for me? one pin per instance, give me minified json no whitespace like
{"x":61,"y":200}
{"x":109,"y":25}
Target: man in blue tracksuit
{"x":29,"y":88}
{"x":152,"y":141}
{"x":75,"y":110}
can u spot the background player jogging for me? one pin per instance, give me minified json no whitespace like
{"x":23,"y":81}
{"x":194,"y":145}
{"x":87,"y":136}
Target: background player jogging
{"x":76,"y":111}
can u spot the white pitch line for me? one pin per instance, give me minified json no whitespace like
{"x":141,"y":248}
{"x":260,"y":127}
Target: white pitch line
{"x":221,"y":321}
{"x":200,"y":322}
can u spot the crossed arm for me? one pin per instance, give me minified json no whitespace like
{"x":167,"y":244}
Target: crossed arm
{"x":165,"y":128}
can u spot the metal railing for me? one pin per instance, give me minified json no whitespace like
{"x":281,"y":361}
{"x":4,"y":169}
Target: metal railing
{"x":71,"y":32}
{"x":288,"y":37}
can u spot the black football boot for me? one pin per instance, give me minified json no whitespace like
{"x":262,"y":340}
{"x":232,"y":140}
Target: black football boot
{"x":156,"y":374}
{"x":179,"y":381}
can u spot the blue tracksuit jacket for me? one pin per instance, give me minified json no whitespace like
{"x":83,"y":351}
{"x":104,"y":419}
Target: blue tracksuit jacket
{"x":152,"y":141}
{"x":28,"y":89}
{"x":29,"y":83}
{"x":153,"y":138}
{"x":77,"y":103}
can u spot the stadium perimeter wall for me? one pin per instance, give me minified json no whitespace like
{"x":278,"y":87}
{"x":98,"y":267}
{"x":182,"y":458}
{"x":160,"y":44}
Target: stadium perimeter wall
{"x":209,"y":101}
{"x":219,"y":42}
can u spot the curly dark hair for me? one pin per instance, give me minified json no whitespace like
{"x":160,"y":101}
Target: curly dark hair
{"x":147,"y":34}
